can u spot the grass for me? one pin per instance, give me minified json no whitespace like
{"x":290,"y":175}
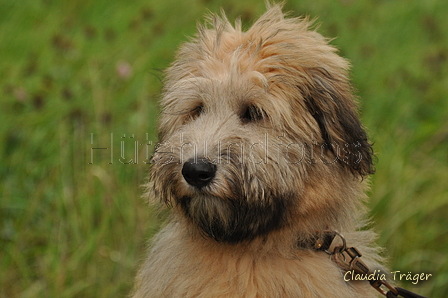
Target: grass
{"x":75,"y":73}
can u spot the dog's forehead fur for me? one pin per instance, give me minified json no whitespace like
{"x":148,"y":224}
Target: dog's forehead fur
{"x":273,"y":45}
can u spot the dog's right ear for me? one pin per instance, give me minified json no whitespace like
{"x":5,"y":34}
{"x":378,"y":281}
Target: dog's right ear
{"x":331,"y":102}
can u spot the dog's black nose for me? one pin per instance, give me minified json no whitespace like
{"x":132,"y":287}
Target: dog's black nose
{"x":198,"y":173}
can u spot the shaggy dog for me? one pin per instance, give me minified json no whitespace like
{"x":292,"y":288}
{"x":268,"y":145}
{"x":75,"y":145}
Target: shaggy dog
{"x":260,"y":150}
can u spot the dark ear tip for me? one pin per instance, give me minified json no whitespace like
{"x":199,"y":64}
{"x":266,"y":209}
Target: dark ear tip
{"x":366,"y":164}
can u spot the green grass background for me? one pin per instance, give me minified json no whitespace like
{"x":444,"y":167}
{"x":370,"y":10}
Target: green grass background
{"x":74,"y":72}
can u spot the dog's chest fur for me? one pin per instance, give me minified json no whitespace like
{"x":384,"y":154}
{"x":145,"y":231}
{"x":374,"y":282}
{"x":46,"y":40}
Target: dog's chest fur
{"x":177,"y":269}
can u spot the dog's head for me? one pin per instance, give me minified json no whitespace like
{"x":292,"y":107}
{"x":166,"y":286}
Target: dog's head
{"x":259,"y":131}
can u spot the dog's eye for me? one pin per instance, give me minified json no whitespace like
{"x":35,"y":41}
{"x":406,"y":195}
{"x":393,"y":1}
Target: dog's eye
{"x":252,"y":113}
{"x":194,"y":113}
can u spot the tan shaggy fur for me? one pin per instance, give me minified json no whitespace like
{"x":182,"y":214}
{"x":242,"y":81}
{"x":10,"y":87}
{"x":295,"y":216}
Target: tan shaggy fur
{"x":270,"y":117}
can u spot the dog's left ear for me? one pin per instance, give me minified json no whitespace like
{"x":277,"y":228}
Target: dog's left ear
{"x":331,"y":102}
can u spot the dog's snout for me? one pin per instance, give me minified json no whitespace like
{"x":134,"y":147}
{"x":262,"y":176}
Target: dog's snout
{"x":198,"y":173}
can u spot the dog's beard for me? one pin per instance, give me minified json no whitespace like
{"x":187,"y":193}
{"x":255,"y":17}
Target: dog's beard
{"x":233,"y":220}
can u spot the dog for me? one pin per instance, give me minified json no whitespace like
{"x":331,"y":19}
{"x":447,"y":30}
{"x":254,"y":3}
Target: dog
{"x":261,"y":149}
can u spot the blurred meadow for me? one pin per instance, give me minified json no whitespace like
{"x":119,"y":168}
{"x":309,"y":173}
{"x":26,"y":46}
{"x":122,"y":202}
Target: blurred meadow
{"x":78,"y":76}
